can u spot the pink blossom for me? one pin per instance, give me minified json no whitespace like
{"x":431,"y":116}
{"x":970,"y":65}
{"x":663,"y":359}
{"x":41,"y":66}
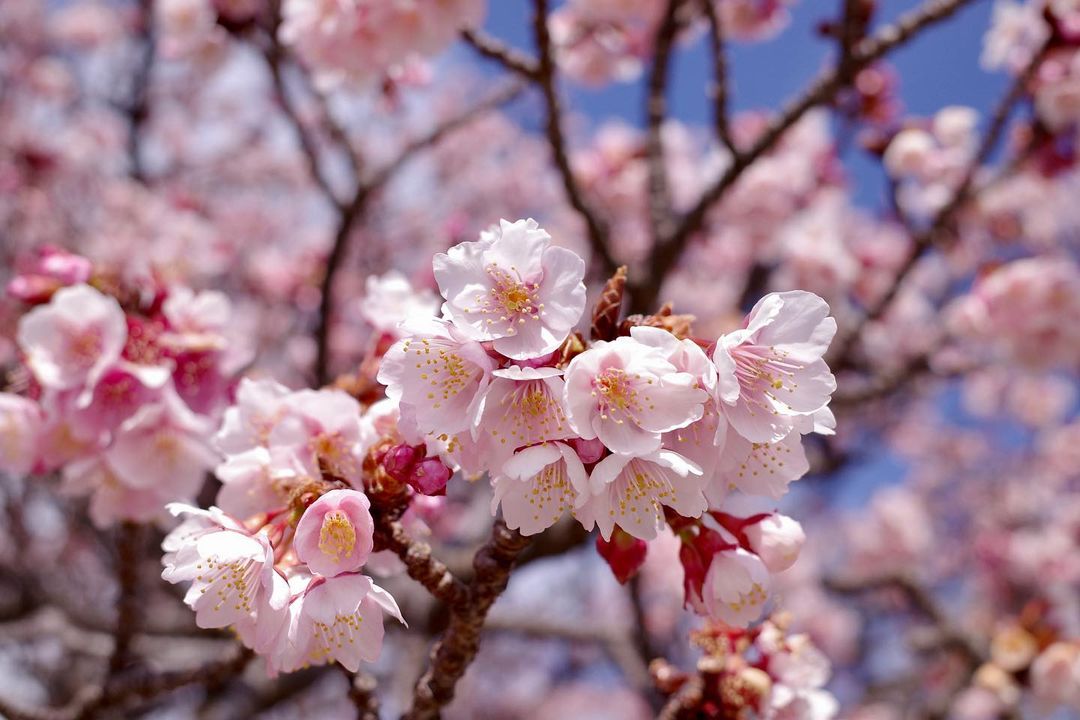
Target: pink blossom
{"x":199,"y":318}
{"x":777,"y":540}
{"x":332,"y":619}
{"x":772,"y":371}
{"x":627,"y":394}
{"x":335,"y":533}
{"x":21,"y":422}
{"x":437,"y":373}
{"x":53,"y":269}
{"x":633,"y":492}
{"x":1017,"y":31}
{"x":522,"y":406}
{"x":247,"y":424}
{"x":73,"y":338}
{"x":1055,"y":676}
{"x":163,"y":446}
{"x":390,"y":299}
{"x":538,"y":485}
{"x":120,"y":391}
{"x":736,"y":587}
{"x":232,"y":575}
{"x":512,"y":287}
{"x":252,"y":483}
{"x":759,"y":468}
{"x":322,"y":430}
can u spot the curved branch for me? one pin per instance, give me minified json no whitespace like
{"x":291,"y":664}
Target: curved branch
{"x":660,"y":204}
{"x":513,"y":60}
{"x":595,"y":229}
{"x":455,"y":651}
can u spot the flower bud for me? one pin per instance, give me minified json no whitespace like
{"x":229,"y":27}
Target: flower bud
{"x":400,"y":461}
{"x":777,"y":540}
{"x":430,"y":476}
{"x":624,"y":553}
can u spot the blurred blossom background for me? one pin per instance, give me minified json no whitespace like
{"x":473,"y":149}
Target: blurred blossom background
{"x":912,"y":163}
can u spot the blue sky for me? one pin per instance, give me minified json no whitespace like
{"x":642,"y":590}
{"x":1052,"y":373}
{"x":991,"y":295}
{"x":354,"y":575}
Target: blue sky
{"x":939,"y":68}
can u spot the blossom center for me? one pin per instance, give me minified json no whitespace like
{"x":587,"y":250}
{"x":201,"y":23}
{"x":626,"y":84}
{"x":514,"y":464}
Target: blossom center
{"x":615,"y":392}
{"x":337,"y":538}
{"x":764,"y":372}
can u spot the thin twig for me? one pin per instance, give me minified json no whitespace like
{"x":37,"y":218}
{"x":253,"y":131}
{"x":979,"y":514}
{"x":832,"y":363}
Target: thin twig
{"x":596,"y":230}
{"x":683,"y":702}
{"x":942,"y":221}
{"x":512,"y":59}
{"x":138,"y":109}
{"x":719,"y":87}
{"x":822,"y":90}
{"x":455,"y":651}
{"x":660,"y":204}
{"x":421,"y":565}
{"x":355,"y":208}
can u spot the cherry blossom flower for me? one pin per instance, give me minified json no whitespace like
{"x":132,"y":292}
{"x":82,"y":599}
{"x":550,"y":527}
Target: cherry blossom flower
{"x":538,"y":485}
{"x":390,"y":299}
{"x":772,"y":371}
{"x":332,"y":619}
{"x":522,"y":406}
{"x":20,"y":424}
{"x":322,"y":430}
{"x":626,"y":394}
{"x":247,"y":423}
{"x":73,"y":338}
{"x":437,"y":374}
{"x":334,"y":534}
{"x":633,"y":492}
{"x":232,"y":575}
{"x":514,"y":288}
{"x":736,"y":587}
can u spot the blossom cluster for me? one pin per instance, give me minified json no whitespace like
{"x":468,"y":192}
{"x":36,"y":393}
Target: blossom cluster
{"x":628,"y":435}
{"x":122,"y":399}
{"x":766,"y":671}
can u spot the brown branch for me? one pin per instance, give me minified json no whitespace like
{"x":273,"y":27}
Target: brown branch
{"x":355,"y":208}
{"x":718,"y":90}
{"x":942,"y":222}
{"x":362,"y":693}
{"x":596,"y":229}
{"x":510,"y":58}
{"x":138,"y":109}
{"x":682,"y":704}
{"x":921,"y":600}
{"x":421,"y":565}
{"x":660,"y":203}
{"x":128,"y":546}
{"x":822,"y":90}
{"x":457,"y":648}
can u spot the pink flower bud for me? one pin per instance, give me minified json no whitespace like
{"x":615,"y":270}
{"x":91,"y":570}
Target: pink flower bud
{"x":624,"y":554}
{"x":777,"y":540}
{"x":335,"y":534}
{"x":400,"y":461}
{"x":589,"y":451}
{"x":430,"y":477}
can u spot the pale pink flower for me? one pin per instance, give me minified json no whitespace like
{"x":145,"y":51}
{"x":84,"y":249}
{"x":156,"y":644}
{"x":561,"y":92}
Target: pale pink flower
{"x":247,"y":424}
{"x":772,"y":371}
{"x":632,"y":492}
{"x":21,"y":422}
{"x":252,"y":483}
{"x":1055,"y":676}
{"x":753,"y":20}
{"x":232,"y":575}
{"x":436,"y":374}
{"x":332,"y":619}
{"x":522,"y":406}
{"x":1057,"y":95}
{"x":322,"y":429}
{"x":777,"y":540}
{"x":514,"y":288}
{"x":537,"y":485}
{"x":390,"y":299}
{"x":627,"y":394}
{"x":736,"y":587}
{"x":758,"y":468}
{"x":120,"y":391}
{"x":335,"y":533}
{"x":73,"y":338}
{"x":198,"y":318}
{"x":111,"y":499}
{"x":163,"y":446}
{"x":910,"y":152}
{"x":1017,"y":31}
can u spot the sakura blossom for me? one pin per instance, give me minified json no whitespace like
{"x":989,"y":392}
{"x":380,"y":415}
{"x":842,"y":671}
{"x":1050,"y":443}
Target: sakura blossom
{"x":539,"y":359}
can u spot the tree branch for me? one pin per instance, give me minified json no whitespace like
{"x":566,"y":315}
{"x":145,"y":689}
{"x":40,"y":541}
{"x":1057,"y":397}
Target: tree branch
{"x":356,"y":207}
{"x":941,"y":223}
{"x":128,"y":545}
{"x":455,"y":651}
{"x":719,"y":88}
{"x":419,"y":562}
{"x":513,"y":60}
{"x":138,"y":109}
{"x":596,"y":230}
{"x":822,"y":90}
{"x":660,"y":204}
